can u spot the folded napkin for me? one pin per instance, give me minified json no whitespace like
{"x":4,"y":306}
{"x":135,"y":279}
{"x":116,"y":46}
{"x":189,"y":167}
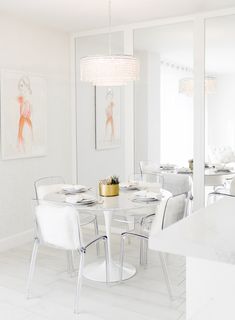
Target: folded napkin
{"x":74,"y":188}
{"x":147,"y":194}
{"x":79,"y":198}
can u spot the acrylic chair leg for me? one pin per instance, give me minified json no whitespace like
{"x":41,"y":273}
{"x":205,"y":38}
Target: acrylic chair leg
{"x":141,"y":251}
{"x":107,"y":262}
{"x":145,"y":252}
{"x":128,"y":228}
{"x":79,"y":282}
{"x":166,"y":275}
{"x":70,"y":262}
{"x":122,"y":253}
{"x":96,"y":235}
{"x":32,"y":266}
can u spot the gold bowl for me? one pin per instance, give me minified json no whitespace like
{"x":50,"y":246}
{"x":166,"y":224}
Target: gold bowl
{"x":108,"y":190}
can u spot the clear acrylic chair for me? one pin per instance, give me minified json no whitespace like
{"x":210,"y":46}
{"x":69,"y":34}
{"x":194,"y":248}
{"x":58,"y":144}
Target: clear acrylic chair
{"x":149,"y":181}
{"x":170,"y":213}
{"x":53,"y":184}
{"x":178,"y":184}
{"x":145,"y":181}
{"x":149,"y":167}
{"x":221,"y":192}
{"x":58,"y":226}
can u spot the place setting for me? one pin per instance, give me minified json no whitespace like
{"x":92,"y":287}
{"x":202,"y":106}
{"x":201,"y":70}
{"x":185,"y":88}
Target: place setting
{"x":70,"y":189}
{"x":125,"y":186}
{"x":147,"y":196}
{"x":83,"y":200}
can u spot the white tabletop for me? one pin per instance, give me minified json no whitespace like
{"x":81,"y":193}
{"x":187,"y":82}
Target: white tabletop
{"x":208,"y":233}
{"x":214,"y":172}
{"x":125,"y":201}
{"x":208,"y":172}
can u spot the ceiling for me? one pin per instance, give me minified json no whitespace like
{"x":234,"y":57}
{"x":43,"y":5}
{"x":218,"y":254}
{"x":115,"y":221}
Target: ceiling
{"x":77,"y":15}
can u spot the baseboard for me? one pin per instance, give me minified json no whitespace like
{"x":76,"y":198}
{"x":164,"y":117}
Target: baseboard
{"x":16,"y":240}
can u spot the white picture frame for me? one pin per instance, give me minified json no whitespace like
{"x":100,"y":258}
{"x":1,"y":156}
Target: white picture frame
{"x":107,"y":117}
{"x":23,"y":115}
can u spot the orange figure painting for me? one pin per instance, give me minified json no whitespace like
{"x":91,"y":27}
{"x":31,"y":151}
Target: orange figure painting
{"x":109,"y":123}
{"x":25,"y":109}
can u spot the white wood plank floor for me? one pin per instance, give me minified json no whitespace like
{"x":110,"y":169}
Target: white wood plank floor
{"x":144,"y":297}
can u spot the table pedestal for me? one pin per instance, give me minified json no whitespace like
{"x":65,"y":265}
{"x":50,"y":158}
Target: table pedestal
{"x":97,"y":270}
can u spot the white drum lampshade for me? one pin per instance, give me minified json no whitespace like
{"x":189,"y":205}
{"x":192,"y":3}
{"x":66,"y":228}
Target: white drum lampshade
{"x":109,"y":70}
{"x":186,"y":86}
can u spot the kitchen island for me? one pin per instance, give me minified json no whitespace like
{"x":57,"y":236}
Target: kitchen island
{"x":207,"y":239}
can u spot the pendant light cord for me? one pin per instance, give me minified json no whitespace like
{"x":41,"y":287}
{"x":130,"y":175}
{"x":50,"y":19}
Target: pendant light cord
{"x":110,"y":22}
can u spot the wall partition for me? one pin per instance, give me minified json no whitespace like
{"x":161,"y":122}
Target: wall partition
{"x":219,"y":101}
{"x":164,"y":94}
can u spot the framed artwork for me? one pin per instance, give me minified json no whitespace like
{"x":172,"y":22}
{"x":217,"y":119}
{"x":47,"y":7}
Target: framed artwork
{"x":23,"y":115}
{"x":107,"y":117}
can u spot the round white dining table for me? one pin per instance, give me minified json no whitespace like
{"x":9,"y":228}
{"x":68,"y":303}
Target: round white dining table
{"x":109,"y":206}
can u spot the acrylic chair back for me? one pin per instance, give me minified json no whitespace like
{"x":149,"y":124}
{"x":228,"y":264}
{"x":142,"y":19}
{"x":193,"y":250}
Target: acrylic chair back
{"x":150,"y":181}
{"x":174,"y":210}
{"x":232,"y":187}
{"x":58,"y":225}
{"x":177,"y":183}
{"x":46,"y":185}
{"x":170,"y":211}
{"x":149,"y":167}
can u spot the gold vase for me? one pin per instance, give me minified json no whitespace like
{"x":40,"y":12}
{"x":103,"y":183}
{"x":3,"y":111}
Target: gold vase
{"x":108,"y":190}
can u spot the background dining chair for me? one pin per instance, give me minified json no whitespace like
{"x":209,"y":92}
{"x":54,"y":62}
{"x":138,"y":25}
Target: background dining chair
{"x":149,"y":167}
{"x":174,"y":182}
{"x":221,"y":192}
{"x":168,"y":214}
{"x":178,"y":184}
{"x":214,"y":181}
{"x":145,"y":181}
{"x":148,"y":181}
{"x":54,"y":184}
{"x":58,"y":226}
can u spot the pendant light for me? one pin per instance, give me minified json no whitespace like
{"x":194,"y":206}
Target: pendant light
{"x":109,"y":70}
{"x":186,"y":86}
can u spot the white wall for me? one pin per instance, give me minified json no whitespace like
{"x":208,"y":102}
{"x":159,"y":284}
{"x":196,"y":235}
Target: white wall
{"x":176,"y":119}
{"x":31,"y":48}
{"x":94,"y":165}
{"x":221,"y":112}
{"x":147,"y":109}
{"x":163,"y":116}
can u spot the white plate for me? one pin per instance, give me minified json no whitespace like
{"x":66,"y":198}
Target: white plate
{"x":70,"y":189}
{"x":77,"y":199}
{"x":139,"y":196}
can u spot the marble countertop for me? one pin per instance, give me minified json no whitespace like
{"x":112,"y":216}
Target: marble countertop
{"x":208,"y":233}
